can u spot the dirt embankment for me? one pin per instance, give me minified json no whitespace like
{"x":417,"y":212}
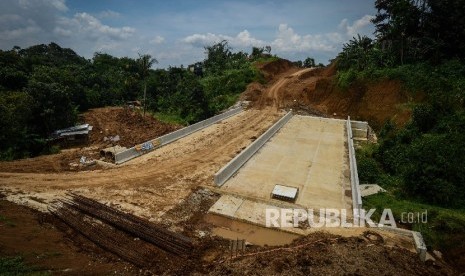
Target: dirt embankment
{"x":325,"y":254}
{"x":53,"y":246}
{"x":130,"y":125}
{"x":314,"y":91}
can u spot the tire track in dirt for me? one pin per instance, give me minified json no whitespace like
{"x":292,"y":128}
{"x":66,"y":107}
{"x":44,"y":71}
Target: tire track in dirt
{"x":156,"y":182}
{"x":274,"y":96}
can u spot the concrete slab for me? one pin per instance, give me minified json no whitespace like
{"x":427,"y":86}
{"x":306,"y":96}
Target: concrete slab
{"x":227,"y":206}
{"x":285,"y":192}
{"x":370,"y":189}
{"x":307,"y":153}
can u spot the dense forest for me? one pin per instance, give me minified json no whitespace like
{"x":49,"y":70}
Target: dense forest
{"x":422,"y":44}
{"x":44,"y":87}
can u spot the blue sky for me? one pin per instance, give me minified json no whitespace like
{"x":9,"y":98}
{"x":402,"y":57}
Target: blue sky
{"x":175,"y":32}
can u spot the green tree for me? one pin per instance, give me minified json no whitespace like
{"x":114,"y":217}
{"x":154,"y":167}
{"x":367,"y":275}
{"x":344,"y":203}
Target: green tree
{"x":414,"y":30}
{"x":217,"y":57}
{"x":145,"y":62}
{"x":309,"y":62}
{"x":15,"y":115}
{"x":52,"y":106}
{"x":355,"y":53}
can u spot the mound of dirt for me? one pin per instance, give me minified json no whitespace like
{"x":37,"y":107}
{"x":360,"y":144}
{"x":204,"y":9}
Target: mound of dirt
{"x":271,"y":69}
{"x":130,"y":125}
{"x":326,"y":254}
{"x":53,"y":163}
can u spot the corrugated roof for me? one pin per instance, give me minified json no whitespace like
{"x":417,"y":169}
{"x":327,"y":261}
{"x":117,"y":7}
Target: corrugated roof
{"x":71,"y":131}
{"x":80,"y":132}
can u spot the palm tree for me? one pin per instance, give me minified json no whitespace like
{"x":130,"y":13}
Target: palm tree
{"x":356,"y":52}
{"x":145,"y":62}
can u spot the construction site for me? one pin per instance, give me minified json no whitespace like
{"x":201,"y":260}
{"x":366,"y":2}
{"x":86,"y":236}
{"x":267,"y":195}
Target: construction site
{"x":168,"y":199}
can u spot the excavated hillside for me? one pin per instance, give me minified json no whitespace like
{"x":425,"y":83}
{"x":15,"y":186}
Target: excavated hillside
{"x":314,"y":91}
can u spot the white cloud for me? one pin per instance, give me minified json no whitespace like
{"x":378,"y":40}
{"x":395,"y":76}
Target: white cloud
{"x":62,"y":32}
{"x":242,"y":39}
{"x":157,"y":40}
{"x":90,"y":26}
{"x":87,"y":34}
{"x":359,"y":26}
{"x":31,"y":4}
{"x":108,"y":14}
{"x":19,"y":32}
{"x":29,"y":22}
{"x":287,"y":40}
{"x":288,"y":43}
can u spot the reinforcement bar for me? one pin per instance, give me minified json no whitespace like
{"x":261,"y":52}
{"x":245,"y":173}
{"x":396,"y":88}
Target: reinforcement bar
{"x":148,"y":146}
{"x":237,"y":162}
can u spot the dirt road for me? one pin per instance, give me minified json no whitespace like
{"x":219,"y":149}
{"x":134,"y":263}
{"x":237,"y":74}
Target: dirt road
{"x":152,"y":184}
{"x":274,"y":96}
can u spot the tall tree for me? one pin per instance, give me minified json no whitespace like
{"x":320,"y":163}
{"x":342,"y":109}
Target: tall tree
{"x":309,"y":62}
{"x":355,"y":52}
{"x":145,"y":62}
{"x":218,"y":56}
{"x":421,"y":29}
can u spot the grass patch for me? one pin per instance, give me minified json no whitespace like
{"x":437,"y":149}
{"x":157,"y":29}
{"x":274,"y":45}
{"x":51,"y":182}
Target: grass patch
{"x":443,"y":230}
{"x":13,"y":266}
{"x":170,"y":118}
{"x":266,"y":59}
{"x":55,"y":149}
{"x":7,"y":221}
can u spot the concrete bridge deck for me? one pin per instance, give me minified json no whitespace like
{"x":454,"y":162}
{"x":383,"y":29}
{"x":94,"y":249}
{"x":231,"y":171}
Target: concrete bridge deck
{"x":308,"y":153}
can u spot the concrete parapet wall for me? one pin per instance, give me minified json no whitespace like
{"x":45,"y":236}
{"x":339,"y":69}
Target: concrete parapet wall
{"x":419,"y":245}
{"x":237,"y":162}
{"x":354,"y":181}
{"x":359,"y":125}
{"x":359,"y":133}
{"x":171,"y":137}
{"x":359,"y":129}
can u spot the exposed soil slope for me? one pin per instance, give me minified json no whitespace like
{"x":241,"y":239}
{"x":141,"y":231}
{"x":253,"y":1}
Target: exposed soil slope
{"x":49,"y":245}
{"x":326,"y":254}
{"x":315,"y":91}
{"x":130,"y":125}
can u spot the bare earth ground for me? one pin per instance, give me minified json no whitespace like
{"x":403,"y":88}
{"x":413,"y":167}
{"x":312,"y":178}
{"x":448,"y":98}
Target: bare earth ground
{"x":163,"y":186}
{"x":108,"y":121}
{"x":314,"y":91}
{"x":47,"y":244}
{"x":152,"y":184}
